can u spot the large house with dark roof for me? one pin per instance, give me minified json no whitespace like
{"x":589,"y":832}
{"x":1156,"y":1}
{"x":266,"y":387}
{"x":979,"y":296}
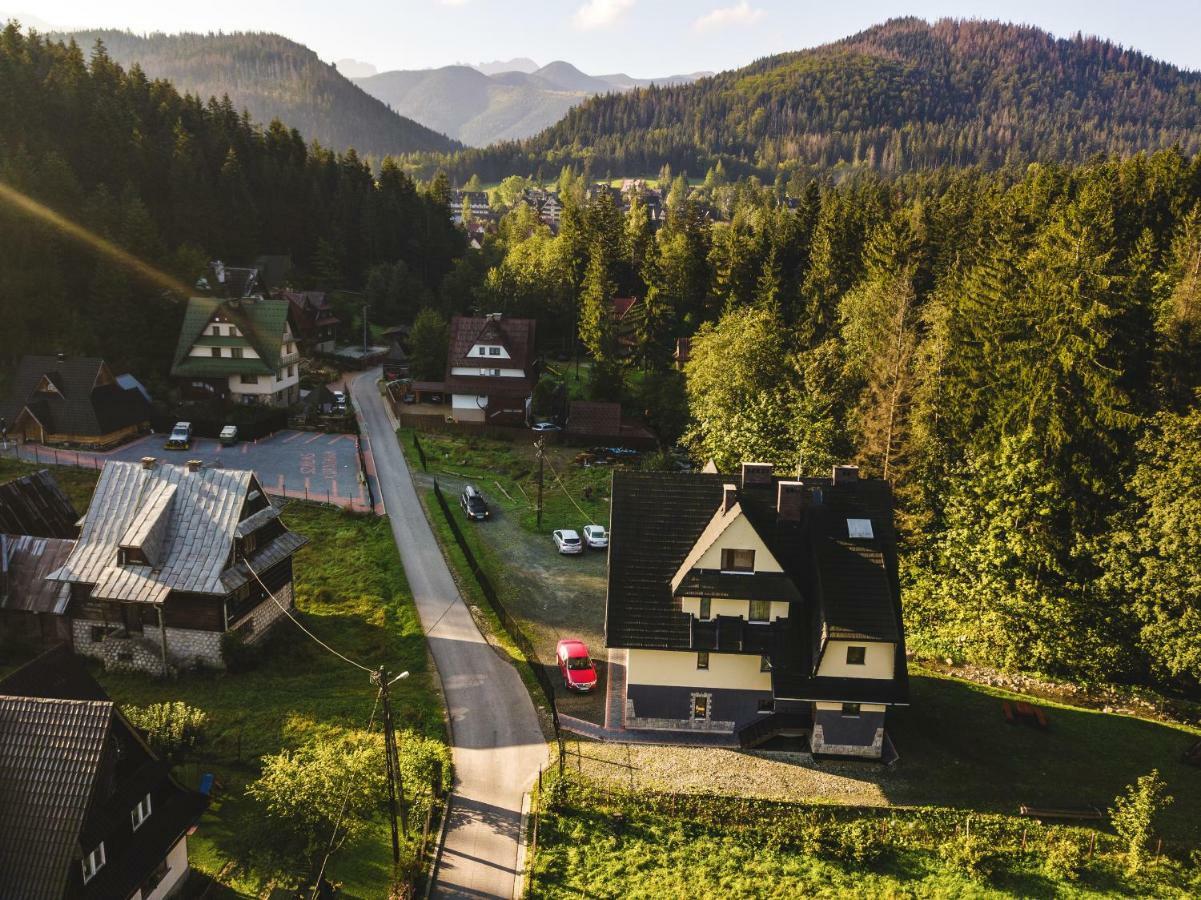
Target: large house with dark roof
{"x":170,"y":559}
{"x":72,"y":400}
{"x":313,"y":319}
{"x":490,"y":368}
{"x":86,"y":808}
{"x":236,"y":342}
{"x":758,"y":606}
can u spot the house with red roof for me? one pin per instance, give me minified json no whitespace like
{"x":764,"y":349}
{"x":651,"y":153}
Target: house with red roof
{"x":491,"y":368}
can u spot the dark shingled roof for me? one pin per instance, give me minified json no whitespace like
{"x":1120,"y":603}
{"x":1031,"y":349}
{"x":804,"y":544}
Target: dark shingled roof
{"x":594,"y":417}
{"x":35,"y":505}
{"x":74,"y":395}
{"x":515,"y":335}
{"x":71,"y":768}
{"x":839,"y":587}
{"x":50,"y":753}
{"x":24,"y":564}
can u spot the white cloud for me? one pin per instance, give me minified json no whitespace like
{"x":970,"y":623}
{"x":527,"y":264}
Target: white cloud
{"x":600,"y":13}
{"x":452,"y":2}
{"x":739,"y":14}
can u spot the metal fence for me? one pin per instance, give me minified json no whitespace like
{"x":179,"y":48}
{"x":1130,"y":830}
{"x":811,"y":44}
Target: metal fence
{"x":507,"y":621}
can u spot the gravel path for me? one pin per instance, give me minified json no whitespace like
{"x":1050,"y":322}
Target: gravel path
{"x":731,"y":772}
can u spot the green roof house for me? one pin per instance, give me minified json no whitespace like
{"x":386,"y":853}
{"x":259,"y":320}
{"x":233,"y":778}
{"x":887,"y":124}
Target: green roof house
{"x":237,"y":343}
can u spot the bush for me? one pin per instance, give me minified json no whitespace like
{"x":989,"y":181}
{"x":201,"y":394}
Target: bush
{"x":1063,"y":857}
{"x":239,"y":656}
{"x":967,"y":854}
{"x":1133,"y":816}
{"x":861,"y":841}
{"x":172,"y":729}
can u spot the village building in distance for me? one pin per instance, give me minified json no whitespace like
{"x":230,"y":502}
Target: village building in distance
{"x":490,"y":368}
{"x":75,"y":401}
{"x":759,"y":606}
{"x":237,"y":343}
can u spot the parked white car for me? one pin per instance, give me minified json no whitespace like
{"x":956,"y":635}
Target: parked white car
{"x":568,"y":541}
{"x":596,"y":536}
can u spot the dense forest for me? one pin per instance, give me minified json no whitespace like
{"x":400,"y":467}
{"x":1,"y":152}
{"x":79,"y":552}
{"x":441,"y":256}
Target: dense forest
{"x":272,"y":78}
{"x":174,"y":181}
{"x":902,"y":96}
{"x":1018,"y":351}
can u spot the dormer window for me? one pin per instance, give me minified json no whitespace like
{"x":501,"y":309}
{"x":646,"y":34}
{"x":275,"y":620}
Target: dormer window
{"x":93,"y":863}
{"x":738,"y":560}
{"x":494,"y":351}
{"x":140,"y":813}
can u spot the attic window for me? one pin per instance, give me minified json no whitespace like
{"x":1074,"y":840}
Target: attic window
{"x":860,"y":529}
{"x":92,"y":863}
{"x":140,"y":813}
{"x":494,"y":351}
{"x":738,"y":560}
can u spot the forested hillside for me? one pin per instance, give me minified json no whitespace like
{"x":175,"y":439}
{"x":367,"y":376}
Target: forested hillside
{"x":902,"y":96}
{"x":174,"y":181}
{"x":272,"y":78}
{"x":1018,"y":351}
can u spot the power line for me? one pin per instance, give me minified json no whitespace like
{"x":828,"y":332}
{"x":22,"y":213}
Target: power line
{"x":342,"y":811}
{"x":300,"y":625}
{"x":563,"y":488}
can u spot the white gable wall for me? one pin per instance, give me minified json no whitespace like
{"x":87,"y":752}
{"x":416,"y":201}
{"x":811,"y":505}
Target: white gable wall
{"x":739,"y":535}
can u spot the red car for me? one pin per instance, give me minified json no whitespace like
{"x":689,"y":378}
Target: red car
{"x":579,"y":674}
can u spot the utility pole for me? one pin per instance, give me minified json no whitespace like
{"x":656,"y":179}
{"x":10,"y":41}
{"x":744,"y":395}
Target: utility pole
{"x":395,"y":782}
{"x":364,"y":329}
{"x":541,"y":445}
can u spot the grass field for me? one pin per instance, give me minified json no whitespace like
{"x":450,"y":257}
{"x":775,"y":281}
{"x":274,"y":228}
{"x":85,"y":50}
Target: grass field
{"x":352,"y":593}
{"x":594,"y":843}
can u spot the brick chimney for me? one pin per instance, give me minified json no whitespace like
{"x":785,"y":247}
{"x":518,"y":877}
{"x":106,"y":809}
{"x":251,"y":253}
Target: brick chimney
{"x":790,"y":501}
{"x":756,"y":474}
{"x":62,"y":357}
{"x":149,"y":462}
{"x":194,"y":465}
{"x":729,"y":496}
{"x":846,"y":474}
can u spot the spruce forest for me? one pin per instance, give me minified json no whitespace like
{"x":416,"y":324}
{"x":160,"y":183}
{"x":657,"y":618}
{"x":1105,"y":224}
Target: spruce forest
{"x":1014,"y":344}
{"x":902,"y":96}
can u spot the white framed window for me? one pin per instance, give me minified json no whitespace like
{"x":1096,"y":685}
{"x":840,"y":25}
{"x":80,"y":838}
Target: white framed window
{"x":494,"y":351}
{"x":140,"y":813}
{"x":93,"y":863}
{"x":760,"y":610}
{"x":701,"y":707}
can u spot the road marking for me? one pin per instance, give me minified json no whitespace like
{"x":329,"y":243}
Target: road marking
{"x":315,"y":437}
{"x":293,"y":437}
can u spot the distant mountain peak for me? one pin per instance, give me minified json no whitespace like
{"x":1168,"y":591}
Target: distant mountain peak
{"x":520,"y":64}
{"x":354,"y":68}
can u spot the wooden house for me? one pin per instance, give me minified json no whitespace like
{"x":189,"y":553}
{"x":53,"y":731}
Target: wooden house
{"x":86,"y":808}
{"x":172,"y":558}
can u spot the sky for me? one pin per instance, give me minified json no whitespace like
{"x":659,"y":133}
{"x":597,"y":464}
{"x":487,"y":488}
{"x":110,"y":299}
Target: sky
{"x":639,"y":37}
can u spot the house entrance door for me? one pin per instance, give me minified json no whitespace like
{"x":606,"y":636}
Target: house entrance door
{"x":131,"y":616}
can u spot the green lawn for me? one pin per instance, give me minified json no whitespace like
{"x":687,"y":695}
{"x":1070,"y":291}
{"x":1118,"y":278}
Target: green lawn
{"x":352,"y":593}
{"x":593,"y":843}
{"x":957,"y":750}
{"x":507,"y":473}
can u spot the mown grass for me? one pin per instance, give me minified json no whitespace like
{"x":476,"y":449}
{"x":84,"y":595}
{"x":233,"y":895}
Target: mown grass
{"x":352,"y":593}
{"x":501,"y":467}
{"x":599,"y":844}
{"x":957,"y":750}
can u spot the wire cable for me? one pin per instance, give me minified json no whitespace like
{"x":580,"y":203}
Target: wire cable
{"x":342,"y":811}
{"x":300,"y":625}
{"x":563,"y":488}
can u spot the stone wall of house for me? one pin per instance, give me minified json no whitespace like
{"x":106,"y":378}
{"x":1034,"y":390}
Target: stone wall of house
{"x":869,"y":745}
{"x":186,"y":647}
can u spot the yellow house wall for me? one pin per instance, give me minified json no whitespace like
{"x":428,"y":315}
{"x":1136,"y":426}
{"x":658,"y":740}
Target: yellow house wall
{"x":739,"y":535}
{"x":677,"y":668}
{"x":723,"y":607}
{"x":823,"y":706}
{"x":877,"y":663}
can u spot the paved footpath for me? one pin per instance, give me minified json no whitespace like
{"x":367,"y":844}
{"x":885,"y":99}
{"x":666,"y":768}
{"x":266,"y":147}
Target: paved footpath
{"x":498,"y":746}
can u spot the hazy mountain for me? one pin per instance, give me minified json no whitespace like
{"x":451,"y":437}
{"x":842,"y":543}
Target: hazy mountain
{"x":272,"y":77}
{"x":900,"y":96}
{"x":520,"y":64}
{"x":355,"y":68}
{"x":479,"y":108}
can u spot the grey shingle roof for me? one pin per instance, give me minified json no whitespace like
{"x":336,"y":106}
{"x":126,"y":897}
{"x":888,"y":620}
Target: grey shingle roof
{"x":50,"y":752}
{"x":196,"y":514}
{"x":81,"y":404}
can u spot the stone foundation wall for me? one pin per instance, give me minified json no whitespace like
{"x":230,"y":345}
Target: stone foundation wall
{"x":186,"y":647}
{"x":874,"y":750}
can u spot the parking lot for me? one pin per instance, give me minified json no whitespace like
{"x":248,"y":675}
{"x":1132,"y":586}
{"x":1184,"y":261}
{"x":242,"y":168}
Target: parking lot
{"x":300,"y":464}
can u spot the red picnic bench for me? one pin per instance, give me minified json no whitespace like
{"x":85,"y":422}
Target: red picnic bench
{"x":1023,"y":712}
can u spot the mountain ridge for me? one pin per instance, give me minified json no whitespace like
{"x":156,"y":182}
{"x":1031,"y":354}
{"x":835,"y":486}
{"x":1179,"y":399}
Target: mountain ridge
{"x":272,"y":77}
{"x":900,"y":96}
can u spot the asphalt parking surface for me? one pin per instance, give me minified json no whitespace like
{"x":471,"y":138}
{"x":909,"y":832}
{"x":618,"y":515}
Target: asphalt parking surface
{"x":301,"y":464}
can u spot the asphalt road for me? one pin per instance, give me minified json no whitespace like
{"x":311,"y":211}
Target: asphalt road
{"x":498,"y":746}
